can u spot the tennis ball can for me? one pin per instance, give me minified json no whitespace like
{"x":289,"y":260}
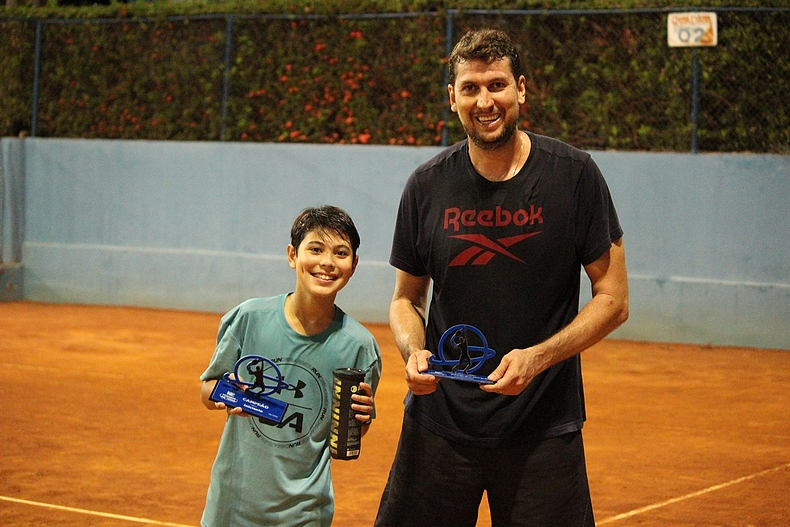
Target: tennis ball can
{"x":345,"y":437}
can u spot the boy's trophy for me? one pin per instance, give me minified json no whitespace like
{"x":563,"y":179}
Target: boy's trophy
{"x":253,"y":380}
{"x":470,"y":346}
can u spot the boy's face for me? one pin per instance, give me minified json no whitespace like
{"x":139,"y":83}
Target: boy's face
{"x":324,"y":262}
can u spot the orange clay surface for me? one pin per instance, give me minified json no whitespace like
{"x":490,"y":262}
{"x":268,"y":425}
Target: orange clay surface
{"x":101,"y":425}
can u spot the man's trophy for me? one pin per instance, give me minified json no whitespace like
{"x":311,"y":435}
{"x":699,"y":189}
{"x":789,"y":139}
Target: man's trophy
{"x":249,"y":387}
{"x":470,"y":346}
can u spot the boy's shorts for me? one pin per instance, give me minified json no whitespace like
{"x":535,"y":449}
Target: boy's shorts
{"x":439,"y":483}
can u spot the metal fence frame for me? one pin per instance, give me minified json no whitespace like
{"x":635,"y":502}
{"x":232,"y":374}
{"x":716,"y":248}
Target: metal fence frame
{"x":451,"y":14}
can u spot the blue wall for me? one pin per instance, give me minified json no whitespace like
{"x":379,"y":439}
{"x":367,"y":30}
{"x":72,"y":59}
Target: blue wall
{"x":202,"y":226}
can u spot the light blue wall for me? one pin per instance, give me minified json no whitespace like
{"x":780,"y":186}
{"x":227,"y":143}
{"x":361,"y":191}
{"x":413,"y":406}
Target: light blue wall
{"x":202,"y":226}
{"x":708,"y":245}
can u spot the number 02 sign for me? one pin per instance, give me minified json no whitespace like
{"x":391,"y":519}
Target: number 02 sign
{"x":691,"y":29}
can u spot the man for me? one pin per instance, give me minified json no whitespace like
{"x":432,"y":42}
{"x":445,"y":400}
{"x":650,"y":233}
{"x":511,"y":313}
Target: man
{"x":502,"y":223}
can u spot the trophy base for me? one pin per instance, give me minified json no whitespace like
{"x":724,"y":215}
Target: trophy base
{"x":458,"y":376}
{"x":260,"y":405}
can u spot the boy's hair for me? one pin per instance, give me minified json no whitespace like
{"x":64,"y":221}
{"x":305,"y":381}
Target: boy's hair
{"x":328,"y":219}
{"x":488,"y":45}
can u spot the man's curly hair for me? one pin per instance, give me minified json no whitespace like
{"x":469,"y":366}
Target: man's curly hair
{"x":489,"y":45}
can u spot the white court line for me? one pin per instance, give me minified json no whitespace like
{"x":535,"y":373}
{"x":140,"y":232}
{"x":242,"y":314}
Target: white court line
{"x":601,"y":522}
{"x":83,"y":373}
{"x":93,"y":513}
{"x":691,"y":495}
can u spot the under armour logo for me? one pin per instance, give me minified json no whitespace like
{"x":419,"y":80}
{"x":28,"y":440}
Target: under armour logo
{"x":298,"y":393}
{"x":484,"y":248}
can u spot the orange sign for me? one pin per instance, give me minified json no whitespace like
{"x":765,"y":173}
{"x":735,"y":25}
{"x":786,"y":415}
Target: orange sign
{"x":691,"y":29}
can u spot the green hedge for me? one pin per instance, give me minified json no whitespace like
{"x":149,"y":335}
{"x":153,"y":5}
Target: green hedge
{"x":333,"y":73}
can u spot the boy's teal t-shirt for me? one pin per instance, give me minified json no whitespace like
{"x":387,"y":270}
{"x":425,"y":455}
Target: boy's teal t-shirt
{"x":278,"y":474}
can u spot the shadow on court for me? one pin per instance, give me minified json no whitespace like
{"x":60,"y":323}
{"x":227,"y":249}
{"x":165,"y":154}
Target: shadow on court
{"x":101,"y":425}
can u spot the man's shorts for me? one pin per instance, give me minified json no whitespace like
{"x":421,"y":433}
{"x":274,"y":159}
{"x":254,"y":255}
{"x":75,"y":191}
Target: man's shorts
{"x":439,"y":483}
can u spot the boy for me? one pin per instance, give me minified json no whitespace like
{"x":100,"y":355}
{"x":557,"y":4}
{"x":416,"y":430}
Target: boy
{"x":278,"y":474}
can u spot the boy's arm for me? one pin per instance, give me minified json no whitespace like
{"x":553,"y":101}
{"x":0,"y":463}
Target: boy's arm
{"x":205,"y":393}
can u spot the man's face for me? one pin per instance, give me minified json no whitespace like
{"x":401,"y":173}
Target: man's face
{"x":486,"y":98}
{"x":324,"y":262}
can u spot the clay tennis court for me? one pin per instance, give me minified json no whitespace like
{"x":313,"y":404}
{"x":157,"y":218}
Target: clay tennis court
{"x":101,"y":425}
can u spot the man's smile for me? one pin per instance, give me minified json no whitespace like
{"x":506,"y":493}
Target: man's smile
{"x":488,"y":118}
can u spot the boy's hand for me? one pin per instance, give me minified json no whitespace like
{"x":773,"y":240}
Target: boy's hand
{"x":205,"y":393}
{"x":363,"y":404}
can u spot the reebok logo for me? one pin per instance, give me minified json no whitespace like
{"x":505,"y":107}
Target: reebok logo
{"x":455,"y":218}
{"x":484,"y":248}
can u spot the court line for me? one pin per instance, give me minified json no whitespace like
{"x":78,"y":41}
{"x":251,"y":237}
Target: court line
{"x":29,"y":367}
{"x":690,"y":495}
{"x":601,"y":522}
{"x":93,"y":513}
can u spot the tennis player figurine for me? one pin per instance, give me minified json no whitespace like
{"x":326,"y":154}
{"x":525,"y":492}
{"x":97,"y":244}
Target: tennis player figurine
{"x":464,"y":367}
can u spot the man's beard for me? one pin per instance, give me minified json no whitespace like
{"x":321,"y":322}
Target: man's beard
{"x":492,"y":144}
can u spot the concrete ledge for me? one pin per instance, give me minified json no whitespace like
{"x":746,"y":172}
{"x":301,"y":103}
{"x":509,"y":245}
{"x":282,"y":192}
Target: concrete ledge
{"x":10,"y":282}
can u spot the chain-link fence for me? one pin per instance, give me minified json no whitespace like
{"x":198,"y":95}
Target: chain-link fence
{"x":609,"y":80}
{"x":596,"y":78}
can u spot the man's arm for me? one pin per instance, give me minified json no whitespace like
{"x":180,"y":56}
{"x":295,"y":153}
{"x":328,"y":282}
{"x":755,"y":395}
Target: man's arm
{"x":607,"y":310}
{"x":407,"y":321}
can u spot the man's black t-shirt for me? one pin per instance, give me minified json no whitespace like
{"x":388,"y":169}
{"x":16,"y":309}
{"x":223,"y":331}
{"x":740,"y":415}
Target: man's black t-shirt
{"x":504,"y":257}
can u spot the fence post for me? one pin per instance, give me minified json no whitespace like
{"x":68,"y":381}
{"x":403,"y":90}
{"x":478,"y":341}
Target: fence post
{"x":448,"y":48}
{"x":226,"y":75}
{"x":694,"y":100}
{"x":36,"y":80}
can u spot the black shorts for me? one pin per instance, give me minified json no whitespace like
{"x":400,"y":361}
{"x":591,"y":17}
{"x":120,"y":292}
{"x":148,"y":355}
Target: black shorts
{"x":439,"y":483}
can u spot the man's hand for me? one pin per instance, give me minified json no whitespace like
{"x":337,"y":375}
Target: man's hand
{"x":418,"y":383}
{"x":515,"y":372}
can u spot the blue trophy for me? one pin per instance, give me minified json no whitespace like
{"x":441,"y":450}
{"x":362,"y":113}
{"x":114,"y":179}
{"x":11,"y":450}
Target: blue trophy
{"x":254,"y":380}
{"x":471,"y":356}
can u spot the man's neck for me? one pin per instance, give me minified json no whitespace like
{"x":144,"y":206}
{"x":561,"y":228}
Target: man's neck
{"x":503,"y":163}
